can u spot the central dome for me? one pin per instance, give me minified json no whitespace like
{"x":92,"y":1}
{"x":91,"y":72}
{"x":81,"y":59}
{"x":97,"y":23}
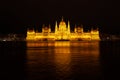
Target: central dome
{"x":62,"y":22}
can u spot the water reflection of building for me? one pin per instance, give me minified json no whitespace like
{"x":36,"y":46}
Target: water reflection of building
{"x":62,"y":44}
{"x":63,"y":32}
{"x":62,"y":59}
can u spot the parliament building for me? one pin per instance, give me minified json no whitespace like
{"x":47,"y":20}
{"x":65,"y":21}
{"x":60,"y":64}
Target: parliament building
{"x":62,"y":31}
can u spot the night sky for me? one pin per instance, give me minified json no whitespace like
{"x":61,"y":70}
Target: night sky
{"x":17,"y":15}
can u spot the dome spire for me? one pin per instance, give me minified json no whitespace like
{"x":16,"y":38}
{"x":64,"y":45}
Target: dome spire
{"x":62,"y":18}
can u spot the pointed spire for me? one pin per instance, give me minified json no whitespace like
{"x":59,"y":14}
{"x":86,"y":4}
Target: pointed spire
{"x":56,"y":27}
{"x":62,"y":18}
{"x":56,"y":24}
{"x":68,"y":26}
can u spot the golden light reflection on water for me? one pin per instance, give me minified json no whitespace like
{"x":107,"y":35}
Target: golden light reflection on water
{"x":44,"y":44}
{"x":63,"y":55}
{"x":67,"y":47}
{"x":63,"y":50}
{"x":62,"y":60}
{"x":39,"y":44}
{"x":62,"y":44}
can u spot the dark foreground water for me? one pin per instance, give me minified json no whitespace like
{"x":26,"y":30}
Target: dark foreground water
{"x":60,"y":60}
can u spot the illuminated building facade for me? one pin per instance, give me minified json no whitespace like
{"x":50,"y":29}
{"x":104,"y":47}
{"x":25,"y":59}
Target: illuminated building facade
{"x":63,"y":32}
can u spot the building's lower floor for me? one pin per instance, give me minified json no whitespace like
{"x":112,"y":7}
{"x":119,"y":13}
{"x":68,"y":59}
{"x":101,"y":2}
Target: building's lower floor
{"x":53,"y":36}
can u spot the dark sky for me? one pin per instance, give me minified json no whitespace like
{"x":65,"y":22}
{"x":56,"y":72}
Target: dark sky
{"x":16,"y":15}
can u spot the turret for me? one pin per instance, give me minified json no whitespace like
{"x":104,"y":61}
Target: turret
{"x":43,"y":28}
{"x":30,"y":30}
{"x":49,"y":28}
{"x":75,"y":29}
{"x":82,"y":28}
{"x":95,"y":34}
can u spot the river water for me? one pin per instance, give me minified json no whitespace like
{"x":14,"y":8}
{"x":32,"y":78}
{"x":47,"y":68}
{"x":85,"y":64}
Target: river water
{"x":60,"y":60}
